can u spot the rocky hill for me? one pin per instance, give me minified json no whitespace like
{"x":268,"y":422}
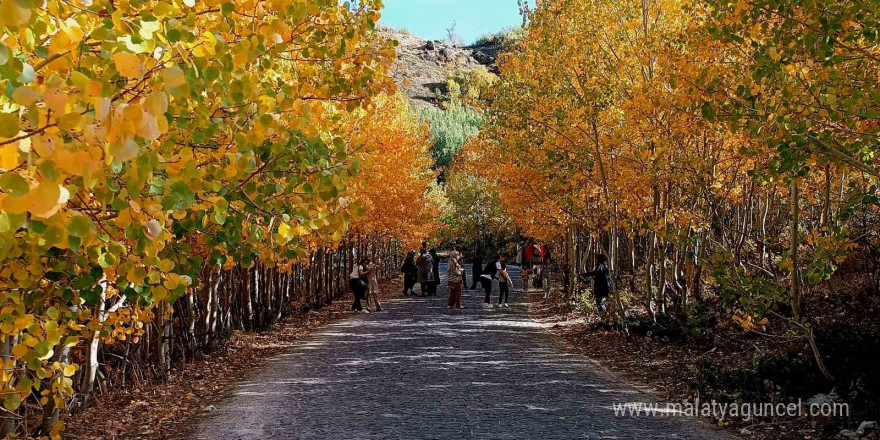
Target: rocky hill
{"x":422,"y":65}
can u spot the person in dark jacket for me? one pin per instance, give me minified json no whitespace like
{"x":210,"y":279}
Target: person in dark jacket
{"x":488,"y":274}
{"x":602,"y":281}
{"x":425,"y":274}
{"x":357,"y":281}
{"x":432,"y":286}
{"x":460,"y":258}
{"x":477,"y":269}
{"x":410,"y":273}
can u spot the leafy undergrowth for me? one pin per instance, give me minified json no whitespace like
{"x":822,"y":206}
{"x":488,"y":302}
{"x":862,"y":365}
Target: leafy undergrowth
{"x":714,"y":361}
{"x":169,"y":410}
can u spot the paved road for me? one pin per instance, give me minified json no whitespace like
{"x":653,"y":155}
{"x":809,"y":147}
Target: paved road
{"x":420,"y":371}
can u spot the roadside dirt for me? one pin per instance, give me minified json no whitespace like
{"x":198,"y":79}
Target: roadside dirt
{"x":165,"y":411}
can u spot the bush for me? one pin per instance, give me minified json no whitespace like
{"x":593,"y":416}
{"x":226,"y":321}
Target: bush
{"x":470,"y":86}
{"x":506,"y":37}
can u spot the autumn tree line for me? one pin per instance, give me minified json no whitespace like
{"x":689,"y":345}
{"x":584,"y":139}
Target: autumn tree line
{"x":720,"y":153}
{"x":175,"y":170}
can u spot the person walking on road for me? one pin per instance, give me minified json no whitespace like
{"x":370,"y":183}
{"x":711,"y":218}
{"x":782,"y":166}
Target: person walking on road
{"x":426,"y":267}
{"x":373,"y":284}
{"x":486,"y":276}
{"x":526,"y":265}
{"x":601,"y":281}
{"x":537,"y":266}
{"x":435,"y":271}
{"x":504,"y":283}
{"x":459,"y":250}
{"x":410,"y":273}
{"x":357,"y":283}
{"x":546,"y":267}
{"x":477,"y":269}
{"x":454,"y":273}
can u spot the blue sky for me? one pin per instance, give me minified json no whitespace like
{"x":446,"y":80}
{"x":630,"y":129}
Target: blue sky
{"x":430,"y":18}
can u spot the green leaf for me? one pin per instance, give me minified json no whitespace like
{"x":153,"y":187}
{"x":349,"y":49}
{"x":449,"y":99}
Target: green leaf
{"x":183,"y":195}
{"x":14,"y":184}
{"x":12,"y":401}
{"x":9,"y":125}
{"x":79,"y":226}
{"x":173,"y":35}
{"x":27,"y":74}
{"x":11,"y":222}
{"x":43,"y":350}
{"x":708,"y":112}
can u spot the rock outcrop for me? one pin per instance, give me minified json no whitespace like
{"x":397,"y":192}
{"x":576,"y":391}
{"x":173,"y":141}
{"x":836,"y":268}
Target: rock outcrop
{"x":422,"y":65}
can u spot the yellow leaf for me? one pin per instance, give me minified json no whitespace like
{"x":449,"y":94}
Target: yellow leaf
{"x":123,"y":219}
{"x":285,"y":231}
{"x":56,"y":100}
{"x":77,"y":163}
{"x":20,"y":349}
{"x":160,"y":293}
{"x":47,"y":199}
{"x":136,"y":275}
{"x":11,"y":13}
{"x":9,"y":156}
{"x":14,"y":205}
{"x":79,"y":79}
{"x":148,"y":128}
{"x":69,"y":121}
{"x":25,"y":96}
{"x":166,"y":265}
{"x":57,"y":427}
{"x":94,"y":88}
{"x":128,"y":64}
{"x":174,"y":77}
{"x":156,"y":103}
{"x":69,"y":370}
{"x":125,"y":151}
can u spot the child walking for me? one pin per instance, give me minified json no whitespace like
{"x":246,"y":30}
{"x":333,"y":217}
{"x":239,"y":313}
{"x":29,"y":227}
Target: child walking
{"x":504,"y":283}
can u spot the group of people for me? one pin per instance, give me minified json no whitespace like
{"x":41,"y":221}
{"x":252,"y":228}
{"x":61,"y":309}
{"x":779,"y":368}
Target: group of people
{"x":424,"y":268}
{"x":533,"y":259}
{"x":494,"y":269}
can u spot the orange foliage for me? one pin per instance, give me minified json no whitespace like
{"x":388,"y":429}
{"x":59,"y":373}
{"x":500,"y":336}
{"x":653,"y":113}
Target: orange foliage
{"x":396,"y":186}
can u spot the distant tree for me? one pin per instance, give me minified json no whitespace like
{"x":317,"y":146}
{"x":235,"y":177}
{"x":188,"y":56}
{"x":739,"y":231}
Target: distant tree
{"x":452,"y":35}
{"x":450,"y":129}
{"x":524,"y":10}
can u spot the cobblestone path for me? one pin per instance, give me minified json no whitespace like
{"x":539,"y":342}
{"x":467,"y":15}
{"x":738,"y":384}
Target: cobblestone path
{"x":420,"y":371}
